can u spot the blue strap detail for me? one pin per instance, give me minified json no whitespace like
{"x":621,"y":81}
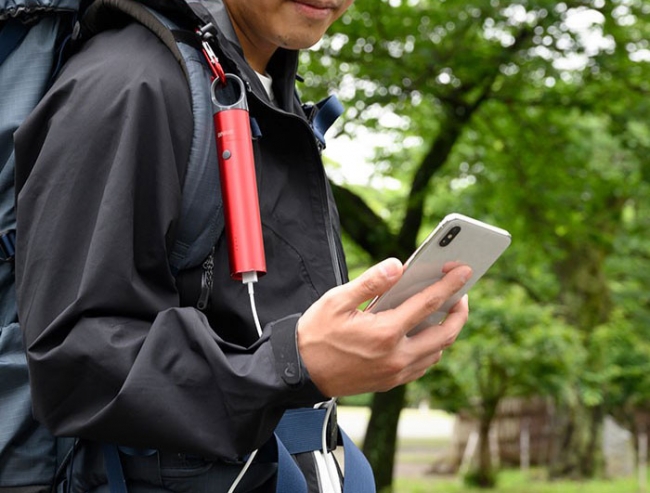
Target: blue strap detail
{"x":7,"y":245}
{"x":114,"y":472}
{"x":256,"y":131}
{"x":329,"y":109}
{"x":358,"y":473}
{"x":289,"y":478}
{"x":300,"y":430}
{"x":11,"y":35}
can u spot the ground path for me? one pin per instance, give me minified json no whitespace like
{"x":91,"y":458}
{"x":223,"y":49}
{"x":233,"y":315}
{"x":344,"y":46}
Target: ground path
{"x":417,"y":428}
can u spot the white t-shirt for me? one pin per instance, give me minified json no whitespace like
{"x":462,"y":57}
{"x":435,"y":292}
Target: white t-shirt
{"x":267,"y":82}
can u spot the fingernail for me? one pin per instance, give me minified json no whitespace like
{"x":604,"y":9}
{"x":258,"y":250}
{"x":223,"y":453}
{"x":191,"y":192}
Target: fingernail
{"x":391,"y":268}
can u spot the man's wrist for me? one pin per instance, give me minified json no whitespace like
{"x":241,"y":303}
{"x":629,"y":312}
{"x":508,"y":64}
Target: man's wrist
{"x":288,"y":362}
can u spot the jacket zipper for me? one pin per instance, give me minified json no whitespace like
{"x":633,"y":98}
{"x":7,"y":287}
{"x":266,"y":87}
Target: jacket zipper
{"x":329,"y":227}
{"x":331,"y":240}
{"x":336,"y":261}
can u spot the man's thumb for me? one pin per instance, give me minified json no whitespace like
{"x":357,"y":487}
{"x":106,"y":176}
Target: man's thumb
{"x":373,"y":282}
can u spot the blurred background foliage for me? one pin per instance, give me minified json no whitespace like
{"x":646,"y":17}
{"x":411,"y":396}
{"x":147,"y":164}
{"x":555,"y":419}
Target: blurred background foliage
{"x":533,"y":115}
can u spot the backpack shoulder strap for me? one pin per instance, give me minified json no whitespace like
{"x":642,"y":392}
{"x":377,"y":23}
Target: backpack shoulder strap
{"x":321,"y":116}
{"x":201,"y":220}
{"x":301,"y":430}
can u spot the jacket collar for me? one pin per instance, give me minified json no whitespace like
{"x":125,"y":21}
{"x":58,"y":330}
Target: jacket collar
{"x":282,"y":67}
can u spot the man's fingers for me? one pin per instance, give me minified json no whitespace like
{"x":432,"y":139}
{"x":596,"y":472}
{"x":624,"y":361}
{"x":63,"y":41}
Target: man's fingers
{"x":456,"y":277}
{"x":460,"y":309}
{"x":420,"y":306}
{"x":435,"y":339}
{"x":373,"y":282}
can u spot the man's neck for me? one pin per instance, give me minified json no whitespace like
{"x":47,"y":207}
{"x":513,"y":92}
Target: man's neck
{"x":257,"y":54}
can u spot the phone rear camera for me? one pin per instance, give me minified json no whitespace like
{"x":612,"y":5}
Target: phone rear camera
{"x":449,"y":236}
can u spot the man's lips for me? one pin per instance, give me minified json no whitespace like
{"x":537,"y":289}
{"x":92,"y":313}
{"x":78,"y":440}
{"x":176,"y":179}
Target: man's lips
{"x":316,"y":4}
{"x":315,"y":9}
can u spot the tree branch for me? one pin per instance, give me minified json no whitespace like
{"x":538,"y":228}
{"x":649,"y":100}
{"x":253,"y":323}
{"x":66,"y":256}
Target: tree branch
{"x":459,"y":112}
{"x":366,"y":228}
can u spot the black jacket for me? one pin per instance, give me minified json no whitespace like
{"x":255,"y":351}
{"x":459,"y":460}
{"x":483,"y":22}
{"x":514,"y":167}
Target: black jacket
{"x":117,"y":351}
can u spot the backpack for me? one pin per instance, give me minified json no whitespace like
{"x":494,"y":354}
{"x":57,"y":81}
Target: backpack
{"x":30,"y":44}
{"x":35,"y":39}
{"x":29,"y":456}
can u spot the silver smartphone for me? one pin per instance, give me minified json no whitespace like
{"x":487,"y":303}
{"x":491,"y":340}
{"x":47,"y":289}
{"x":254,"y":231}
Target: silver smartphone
{"x":457,"y":238}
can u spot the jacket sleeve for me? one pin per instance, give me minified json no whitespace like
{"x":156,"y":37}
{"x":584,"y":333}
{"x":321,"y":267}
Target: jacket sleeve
{"x":112,"y":356}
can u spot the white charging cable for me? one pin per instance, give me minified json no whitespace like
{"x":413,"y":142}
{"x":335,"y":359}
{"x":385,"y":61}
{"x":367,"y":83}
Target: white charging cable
{"x":249,"y":279}
{"x":240,"y":476}
{"x":329,"y":462}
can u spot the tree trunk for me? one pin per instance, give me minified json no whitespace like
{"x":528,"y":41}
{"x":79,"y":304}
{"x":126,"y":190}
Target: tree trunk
{"x":484,"y":476}
{"x":380,"y":444}
{"x":569,"y":438}
{"x":593,"y":464}
{"x":587,"y":301}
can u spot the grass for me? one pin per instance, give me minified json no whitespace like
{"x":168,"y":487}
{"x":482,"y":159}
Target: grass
{"x":416,"y":455}
{"x":420,"y":451}
{"x":512,"y":481}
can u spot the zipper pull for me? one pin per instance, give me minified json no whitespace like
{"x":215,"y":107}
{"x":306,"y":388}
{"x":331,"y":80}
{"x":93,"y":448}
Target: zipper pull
{"x":206,"y":281}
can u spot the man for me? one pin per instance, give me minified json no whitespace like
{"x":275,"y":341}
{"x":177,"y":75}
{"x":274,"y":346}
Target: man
{"x":117,"y":350}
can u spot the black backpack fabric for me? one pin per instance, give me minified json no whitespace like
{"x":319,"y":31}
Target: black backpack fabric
{"x":32,"y":38}
{"x":35,"y":38}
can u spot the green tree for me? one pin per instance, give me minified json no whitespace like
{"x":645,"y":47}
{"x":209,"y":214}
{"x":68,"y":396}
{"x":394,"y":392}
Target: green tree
{"x":502,"y":110}
{"x":510,"y":347}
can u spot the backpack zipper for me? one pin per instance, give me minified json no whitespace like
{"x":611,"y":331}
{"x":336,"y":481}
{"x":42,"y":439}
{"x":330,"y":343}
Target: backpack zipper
{"x":207,"y":279}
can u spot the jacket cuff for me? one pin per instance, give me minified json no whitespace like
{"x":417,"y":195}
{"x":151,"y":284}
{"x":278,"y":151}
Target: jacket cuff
{"x":288,"y":363}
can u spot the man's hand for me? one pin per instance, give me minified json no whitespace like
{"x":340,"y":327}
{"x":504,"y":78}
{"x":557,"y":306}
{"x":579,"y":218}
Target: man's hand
{"x":348,"y":351}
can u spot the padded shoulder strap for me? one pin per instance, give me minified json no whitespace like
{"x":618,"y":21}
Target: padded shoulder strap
{"x":201,"y":219}
{"x":299,"y":431}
